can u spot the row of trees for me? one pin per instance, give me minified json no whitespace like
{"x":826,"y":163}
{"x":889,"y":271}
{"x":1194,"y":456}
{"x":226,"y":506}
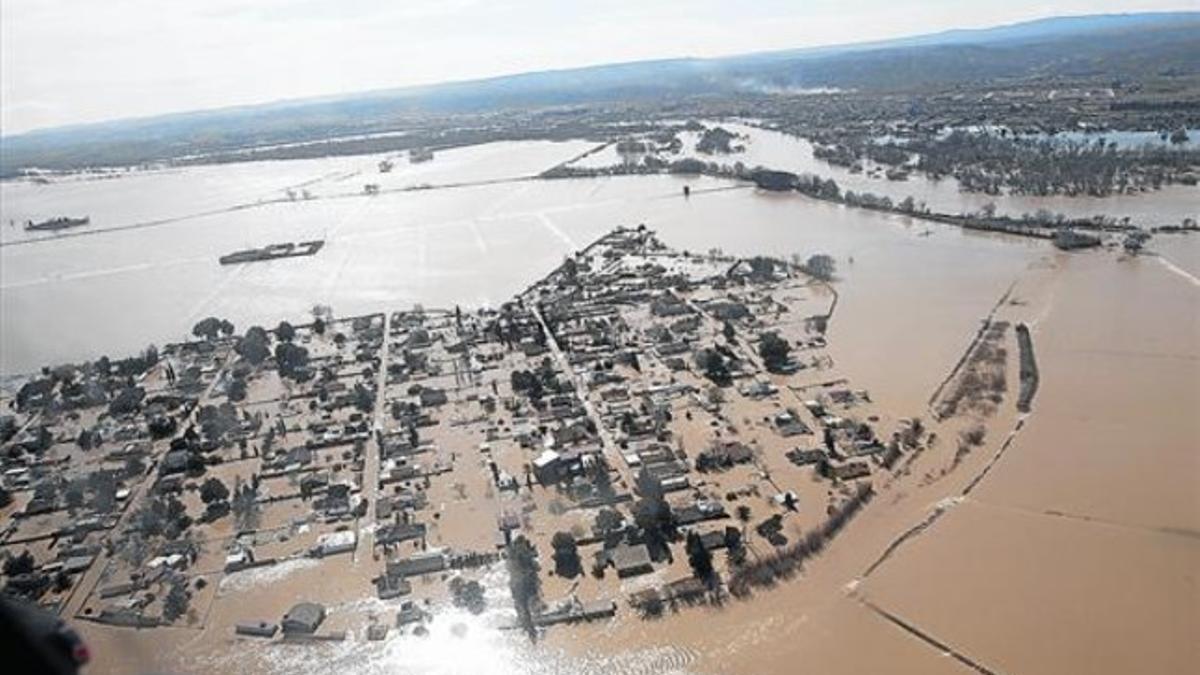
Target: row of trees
{"x":786,"y":562}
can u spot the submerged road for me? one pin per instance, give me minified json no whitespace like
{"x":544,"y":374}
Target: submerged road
{"x":374,"y":451}
{"x":607,"y":444}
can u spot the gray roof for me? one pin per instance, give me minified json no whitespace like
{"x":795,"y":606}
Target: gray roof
{"x":305,"y":616}
{"x":628,"y":557}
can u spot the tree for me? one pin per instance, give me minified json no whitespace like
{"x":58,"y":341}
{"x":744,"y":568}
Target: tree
{"x":246,"y":511}
{"x":213,"y":491}
{"x":364,"y":398}
{"x":523,"y":580}
{"x":127,"y":401}
{"x":608,"y":521}
{"x":255,"y":346}
{"x":728,"y":331}
{"x":134,"y":467}
{"x":652,"y":513}
{"x":208,"y":328}
{"x":774,"y":351}
{"x":86,"y":440}
{"x":566,"y":555}
{"x":73,"y":495}
{"x":601,"y":479}
{"x":103,"y":485}
{"x":820,"y":266}
{"x":175,"y":604}
{"x":700,"y":558}
{"x":468,"y":594}
{"x":237,"y":389}
{"x":285,"y":332}
{"x":712,"y":362}
{"x":292,"y":360}
{"x":21,"y":564}
{"x":8,"y":427}
{"x":743,"y":515}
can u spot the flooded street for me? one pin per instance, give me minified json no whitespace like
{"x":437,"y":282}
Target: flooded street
{"x":1076,"y":550}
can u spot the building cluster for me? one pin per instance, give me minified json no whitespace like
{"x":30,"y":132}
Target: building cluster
{"x":609,"y":431}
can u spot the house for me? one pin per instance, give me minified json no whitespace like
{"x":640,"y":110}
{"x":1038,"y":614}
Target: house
{"x":759,"y":389}
{"x":547,"y":467}
{"x":847,"y":471}
{"x":390,"y":587}
{"x":409,"y":613}
{"x":304,"y":617}
{"x":431,"y":398}
{"x":714,"y":539}
{"x":723,"y":455}
{"x":669,"y":305}
{"x":333,"y":543}
{"x":789,"y":425}
{"x":803,"y":457}
{"x":631,"y":560}
{"x":728,"y":310}
{"x":395,"y":533}
{"x":77,"y":564}
{"x":699,"y":511}
{"x":685,"y":590}
{"x":239,"y":559}
{"x":175,"y":461}
{"x":417,"y":564}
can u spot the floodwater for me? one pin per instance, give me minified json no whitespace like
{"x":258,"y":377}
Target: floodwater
{"x":113,"y":292}
{"x":1077,"y":552}
{"x":776,"y":150}
{"x":1090,"y":523}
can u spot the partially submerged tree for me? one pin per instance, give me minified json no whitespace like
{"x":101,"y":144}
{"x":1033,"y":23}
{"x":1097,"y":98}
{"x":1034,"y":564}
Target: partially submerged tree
{"x":700,"y":559}
{"x":523,"y":581}
{"x":175,"y":603}
{"x":213,"y":491}
{"x":468,"y":595}
{"x":255,"y":346}
{"x":820,"y":266}
{"x":774,"y":351}
{"x":566,"y":555}
{"x":285,"y":332}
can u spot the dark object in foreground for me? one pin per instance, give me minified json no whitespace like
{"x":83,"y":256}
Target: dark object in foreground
{"x":36,"y":641}
{"x":288,"y":250}
{"x":56,"y":224}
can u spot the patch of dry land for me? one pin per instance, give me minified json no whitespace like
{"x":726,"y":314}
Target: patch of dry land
{"x":650,"y":461}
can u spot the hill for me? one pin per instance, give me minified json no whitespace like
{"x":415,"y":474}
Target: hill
{"x":1124,"y":46}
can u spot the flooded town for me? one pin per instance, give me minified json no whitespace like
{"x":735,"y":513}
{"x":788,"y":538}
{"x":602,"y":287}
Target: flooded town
{"x":846,"y":379}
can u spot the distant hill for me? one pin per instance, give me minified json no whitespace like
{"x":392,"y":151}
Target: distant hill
{"x":1119,"y":45}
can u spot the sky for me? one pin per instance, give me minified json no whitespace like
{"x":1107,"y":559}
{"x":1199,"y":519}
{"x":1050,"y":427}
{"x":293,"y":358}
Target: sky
{"x":74,"y":61}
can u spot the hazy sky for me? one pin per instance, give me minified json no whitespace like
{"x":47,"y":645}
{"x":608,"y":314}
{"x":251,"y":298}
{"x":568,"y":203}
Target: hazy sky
{"x":69,"y":61}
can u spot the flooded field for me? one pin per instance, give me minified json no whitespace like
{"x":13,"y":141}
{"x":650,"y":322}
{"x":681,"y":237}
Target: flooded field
{"x":1091,"y":519}
{"x":1075,"y":551}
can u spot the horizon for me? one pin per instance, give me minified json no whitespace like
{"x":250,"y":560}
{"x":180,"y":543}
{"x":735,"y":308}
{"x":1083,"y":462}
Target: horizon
{"x":61,"y":92}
